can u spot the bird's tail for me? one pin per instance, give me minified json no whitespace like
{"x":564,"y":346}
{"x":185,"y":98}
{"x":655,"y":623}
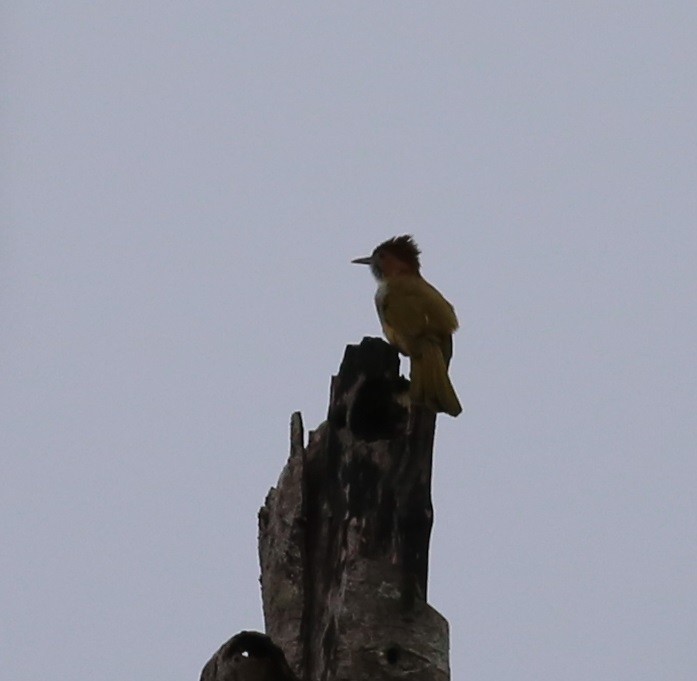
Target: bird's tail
{"x":430,"y":383}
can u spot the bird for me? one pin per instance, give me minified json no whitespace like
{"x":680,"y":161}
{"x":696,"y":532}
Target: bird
{"x":417,"y":320}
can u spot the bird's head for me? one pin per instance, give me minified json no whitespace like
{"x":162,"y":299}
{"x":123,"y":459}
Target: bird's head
{"x":399,"y":255}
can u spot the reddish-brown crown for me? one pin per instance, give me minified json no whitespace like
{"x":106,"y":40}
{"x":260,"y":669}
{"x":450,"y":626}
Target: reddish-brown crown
{"x":403,"y":248}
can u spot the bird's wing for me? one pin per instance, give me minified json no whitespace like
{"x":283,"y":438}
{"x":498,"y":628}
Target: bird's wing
{"x":415,"y":312}
{"x":442,"y":313}
{"x":405,"y":310}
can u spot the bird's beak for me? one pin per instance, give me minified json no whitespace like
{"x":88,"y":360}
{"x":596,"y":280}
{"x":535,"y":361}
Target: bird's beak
{"x":362,"y":261}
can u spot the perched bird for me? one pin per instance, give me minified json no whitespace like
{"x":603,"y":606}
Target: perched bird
{"x":417,"y":320}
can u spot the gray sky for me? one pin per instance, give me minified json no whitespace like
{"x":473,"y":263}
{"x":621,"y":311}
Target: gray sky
{"x":184,"y":185}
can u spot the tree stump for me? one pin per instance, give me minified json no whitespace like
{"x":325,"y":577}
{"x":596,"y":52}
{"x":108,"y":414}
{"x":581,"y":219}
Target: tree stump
{"x":344,"y":536}
{"x":248,"y":656}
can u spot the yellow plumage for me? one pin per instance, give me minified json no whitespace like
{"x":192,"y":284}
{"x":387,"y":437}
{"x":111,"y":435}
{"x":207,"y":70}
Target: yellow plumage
{"x":419,"y":321}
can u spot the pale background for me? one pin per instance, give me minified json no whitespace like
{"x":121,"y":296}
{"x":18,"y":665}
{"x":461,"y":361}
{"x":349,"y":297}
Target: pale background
{"x":183,"y":187}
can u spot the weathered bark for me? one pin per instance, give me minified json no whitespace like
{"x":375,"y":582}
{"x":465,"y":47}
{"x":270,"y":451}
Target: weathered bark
{"x":344,"y":536}
{"x":248,"y":656}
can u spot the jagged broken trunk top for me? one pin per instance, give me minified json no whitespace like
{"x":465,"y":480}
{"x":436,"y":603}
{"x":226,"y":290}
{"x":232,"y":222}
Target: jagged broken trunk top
{"x":344,"y":537}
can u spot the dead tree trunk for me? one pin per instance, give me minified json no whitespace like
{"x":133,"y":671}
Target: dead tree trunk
{"x":344,"y":536}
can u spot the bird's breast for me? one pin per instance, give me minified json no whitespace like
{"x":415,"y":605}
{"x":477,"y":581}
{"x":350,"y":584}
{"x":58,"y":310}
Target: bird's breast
{"x":390,"y":333}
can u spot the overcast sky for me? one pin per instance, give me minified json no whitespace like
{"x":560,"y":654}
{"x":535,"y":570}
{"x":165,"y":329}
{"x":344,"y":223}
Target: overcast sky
{"x":183,"y":187}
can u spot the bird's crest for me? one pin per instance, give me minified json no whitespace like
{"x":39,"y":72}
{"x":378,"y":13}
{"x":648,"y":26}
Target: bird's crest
{"x":403,"y":248}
